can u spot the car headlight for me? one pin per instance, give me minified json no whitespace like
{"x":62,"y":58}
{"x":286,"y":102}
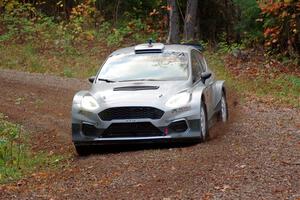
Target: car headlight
{"x":89,"y":103}
{"x":179,"y":100}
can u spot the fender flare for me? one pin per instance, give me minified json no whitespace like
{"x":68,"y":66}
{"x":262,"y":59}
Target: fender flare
{"x":198,"y":96}
{"x":220,"y":87}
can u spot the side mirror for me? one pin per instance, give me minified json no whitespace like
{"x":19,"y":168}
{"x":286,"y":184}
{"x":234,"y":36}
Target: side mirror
{"x":91,"y":79}
{"x":205,"y":75}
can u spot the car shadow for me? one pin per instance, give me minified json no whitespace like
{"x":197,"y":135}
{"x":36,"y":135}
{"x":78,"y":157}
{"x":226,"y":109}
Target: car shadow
{"x":111,"y":149}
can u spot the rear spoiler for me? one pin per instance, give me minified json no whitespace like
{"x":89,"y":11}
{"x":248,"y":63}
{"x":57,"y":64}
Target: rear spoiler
{"x":197,"y":46}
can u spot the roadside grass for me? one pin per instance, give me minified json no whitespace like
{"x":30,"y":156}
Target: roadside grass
{"x":283,"y":89}
{"x":16,"y":158}
{"x":80,"y":63}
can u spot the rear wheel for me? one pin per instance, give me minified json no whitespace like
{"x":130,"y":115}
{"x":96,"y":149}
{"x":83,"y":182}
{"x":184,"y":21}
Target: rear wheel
{"x":203,"y":123}
{"x":223,"y":114}
{"x":82,"y":150}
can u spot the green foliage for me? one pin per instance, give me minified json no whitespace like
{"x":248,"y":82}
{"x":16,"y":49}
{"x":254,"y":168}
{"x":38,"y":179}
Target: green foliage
{"x":117,"y":36}
{"x":21,"y":27}
{"x":16,"y":159}
{"x":134,"y":29}
{"x":248,"y":26}
{"x":104,"y":28}
{"x":15,"y":27}
{"x":224,"y":47}
{"x":25,"y":24}
{"x":68,"y":72}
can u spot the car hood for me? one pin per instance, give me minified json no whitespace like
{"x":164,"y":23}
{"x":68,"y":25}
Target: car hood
{"x":136,"y":93}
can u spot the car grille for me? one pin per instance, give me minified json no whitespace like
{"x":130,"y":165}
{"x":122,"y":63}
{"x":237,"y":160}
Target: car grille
{"x":140,"y":129}
{"x":130,"y":113}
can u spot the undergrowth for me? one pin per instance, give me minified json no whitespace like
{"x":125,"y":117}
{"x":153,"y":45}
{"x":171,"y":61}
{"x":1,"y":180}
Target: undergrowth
{"x":281,"y":89}
{"x":16,"y":157}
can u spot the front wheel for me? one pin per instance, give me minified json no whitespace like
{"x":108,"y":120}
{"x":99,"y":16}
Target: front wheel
{"x":203,"y":123}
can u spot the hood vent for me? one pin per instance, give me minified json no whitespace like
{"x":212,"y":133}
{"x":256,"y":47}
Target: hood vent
{"x":135,"y":88}
{"x":143,"y":51}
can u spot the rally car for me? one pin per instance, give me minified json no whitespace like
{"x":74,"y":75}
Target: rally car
{"x":149,"y":93}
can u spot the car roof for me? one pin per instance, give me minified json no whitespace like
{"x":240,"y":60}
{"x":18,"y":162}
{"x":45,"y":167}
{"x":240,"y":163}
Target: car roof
{"x":166,"y":47}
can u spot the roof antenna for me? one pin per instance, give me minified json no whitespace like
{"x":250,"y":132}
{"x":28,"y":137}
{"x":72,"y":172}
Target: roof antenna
{"x":150,"y":42}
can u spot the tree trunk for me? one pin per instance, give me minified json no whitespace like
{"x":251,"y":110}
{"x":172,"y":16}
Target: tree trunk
{"x":298,"y":36}
{"x":238,"y":20}
{"x":173,"y":36}
{"x":227,"y":24}
{"x":190,"y":20}
{"x":116,"y":12}
{"x":197,"y":34}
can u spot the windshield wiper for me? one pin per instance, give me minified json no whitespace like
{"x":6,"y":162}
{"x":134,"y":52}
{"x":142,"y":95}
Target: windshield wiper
{"x":145,"y":79}
{"x":106,"y":80}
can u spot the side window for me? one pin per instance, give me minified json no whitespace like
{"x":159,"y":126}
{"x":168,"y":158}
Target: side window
{"x":195,"y":66}
{"x":202,"y":62}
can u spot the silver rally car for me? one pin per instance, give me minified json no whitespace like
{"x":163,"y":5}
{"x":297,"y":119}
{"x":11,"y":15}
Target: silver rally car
{"x":149,"y":93}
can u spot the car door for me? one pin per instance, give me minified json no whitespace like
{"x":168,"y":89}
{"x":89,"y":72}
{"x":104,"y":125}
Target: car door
{"x":197,"y":69}
{"x":212,"y":82}
{"x":208,"y":83}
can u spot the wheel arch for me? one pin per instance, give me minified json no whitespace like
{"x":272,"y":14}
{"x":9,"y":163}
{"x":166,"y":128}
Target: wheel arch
{"x":224,"y":90}
{"x":203,"y":100}
{"x":220,"y":87}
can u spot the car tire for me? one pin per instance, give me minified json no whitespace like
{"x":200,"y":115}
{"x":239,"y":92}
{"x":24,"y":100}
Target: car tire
{"x":204,"y":135}
{"x":223,"y":113}
{"x":82,"y":150}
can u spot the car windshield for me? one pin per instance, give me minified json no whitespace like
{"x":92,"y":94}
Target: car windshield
{"x":150,"y":66}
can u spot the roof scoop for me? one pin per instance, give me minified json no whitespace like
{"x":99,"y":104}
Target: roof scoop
{"x":135,"y":88}
{"x":149,"y":48}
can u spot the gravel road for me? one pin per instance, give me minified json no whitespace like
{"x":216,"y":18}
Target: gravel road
{"x":256,"y":156}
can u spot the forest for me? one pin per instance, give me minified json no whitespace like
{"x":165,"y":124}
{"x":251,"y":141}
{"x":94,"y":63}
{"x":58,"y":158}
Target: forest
{"x":270,"y":24}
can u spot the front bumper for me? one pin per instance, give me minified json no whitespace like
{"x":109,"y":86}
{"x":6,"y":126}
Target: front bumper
{"x":188,"y":113}
{"x":83,"y":137}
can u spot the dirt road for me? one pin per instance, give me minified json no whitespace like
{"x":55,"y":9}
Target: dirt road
{"x":256,"y":157}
